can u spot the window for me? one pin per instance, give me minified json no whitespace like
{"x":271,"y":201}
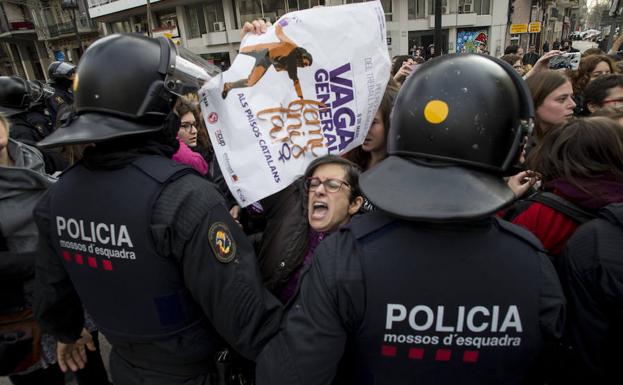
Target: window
{"x":214,"y":15}
{"x":195,"y":21}
{"x":121,"y":27}
{"x":466,"y":6}
{"x":166,"y":19}
{"x":387,"y":7}
{"x":416,"y":9}
{"x":431,"y":7}
{"x":250,"y":10}
{"x":271,"y":9}
{"x":481,"y":7}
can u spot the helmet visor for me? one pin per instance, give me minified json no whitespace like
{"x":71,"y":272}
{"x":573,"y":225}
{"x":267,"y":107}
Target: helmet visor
{"x":64,"y":70}
{"x":188,"y":72}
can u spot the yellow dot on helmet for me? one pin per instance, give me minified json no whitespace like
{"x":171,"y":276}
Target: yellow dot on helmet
{"x":75,"y":85}
{"x":436,"y":111}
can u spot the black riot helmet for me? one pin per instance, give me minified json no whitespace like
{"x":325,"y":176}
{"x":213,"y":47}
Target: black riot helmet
{"x":15,"y":95}
{"x":457,"y":126}
{"x":127,"y":84}
{"x":61,"y":70}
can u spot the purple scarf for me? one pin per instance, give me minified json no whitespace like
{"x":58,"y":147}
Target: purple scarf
{"x":595,"y":193}
{"x":290,"y":288}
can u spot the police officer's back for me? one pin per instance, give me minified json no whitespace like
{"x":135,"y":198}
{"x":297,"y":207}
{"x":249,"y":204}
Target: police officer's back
{"x":144,"y":243}
{"x":433,"y":289}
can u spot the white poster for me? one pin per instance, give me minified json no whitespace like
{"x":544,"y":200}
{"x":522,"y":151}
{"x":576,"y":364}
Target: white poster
{"x":308,"y":87}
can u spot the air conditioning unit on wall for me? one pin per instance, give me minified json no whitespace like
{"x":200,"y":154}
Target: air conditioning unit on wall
{"x":467,"y":8}
{"x":219,"y":26}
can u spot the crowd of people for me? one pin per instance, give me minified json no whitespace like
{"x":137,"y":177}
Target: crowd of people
{"x":474,"y":237}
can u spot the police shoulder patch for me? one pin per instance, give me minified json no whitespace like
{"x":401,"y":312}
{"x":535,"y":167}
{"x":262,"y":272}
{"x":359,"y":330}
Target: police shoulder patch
{"x":221,"y":242}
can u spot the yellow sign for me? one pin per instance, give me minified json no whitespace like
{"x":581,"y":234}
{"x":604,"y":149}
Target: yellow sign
{"x":535,"y":27}
{"x":519,"y":28}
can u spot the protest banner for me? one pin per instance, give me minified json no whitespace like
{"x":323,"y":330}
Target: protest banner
{"x":308,"y":87}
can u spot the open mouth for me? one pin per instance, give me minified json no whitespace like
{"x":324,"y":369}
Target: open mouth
{"x":319,"y":210}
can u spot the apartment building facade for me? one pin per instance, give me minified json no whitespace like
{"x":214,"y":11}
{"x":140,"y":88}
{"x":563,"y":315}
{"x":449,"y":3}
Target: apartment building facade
{"x":211,"y":28}
{"x":33,"y":33}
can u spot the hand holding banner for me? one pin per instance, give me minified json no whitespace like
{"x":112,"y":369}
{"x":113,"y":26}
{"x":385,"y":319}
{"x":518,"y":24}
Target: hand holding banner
{"x":308,"y":87}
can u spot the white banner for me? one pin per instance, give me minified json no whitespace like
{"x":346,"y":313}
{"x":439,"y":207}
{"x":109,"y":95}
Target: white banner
{"x":308,"y":87}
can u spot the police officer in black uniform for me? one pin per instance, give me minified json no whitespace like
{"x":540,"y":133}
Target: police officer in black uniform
{"x":60,"y":78}
{"x":22,"y":102}
{"x":144,"y":243}
{"x":432,"y":288}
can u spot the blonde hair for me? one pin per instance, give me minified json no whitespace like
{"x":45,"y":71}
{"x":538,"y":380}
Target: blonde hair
{"x":4,"y":121}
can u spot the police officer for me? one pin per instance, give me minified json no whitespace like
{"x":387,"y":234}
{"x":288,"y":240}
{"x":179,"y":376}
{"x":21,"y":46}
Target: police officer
{"x":145,"y":244}
{"x":60,"y":78}
{"x":432,"y":289}
{"x":22,"y":102}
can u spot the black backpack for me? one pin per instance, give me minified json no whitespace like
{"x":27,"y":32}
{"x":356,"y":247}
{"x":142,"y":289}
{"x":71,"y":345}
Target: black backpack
{"x":553,"y":201}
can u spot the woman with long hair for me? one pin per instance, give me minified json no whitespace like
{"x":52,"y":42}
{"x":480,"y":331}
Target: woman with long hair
{"x":591,"y":67}
{"x":374,"y":148}
{"x":552,"y":95}
{"x":580,"y":162}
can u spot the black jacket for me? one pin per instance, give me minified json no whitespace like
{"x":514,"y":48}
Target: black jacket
{"x":230,"y":294}
{"x":321,"y":341}
{"x":592,"y":275}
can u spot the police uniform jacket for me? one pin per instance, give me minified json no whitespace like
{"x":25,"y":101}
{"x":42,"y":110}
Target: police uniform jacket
{"x":164,"y":290}
{"x":387,"y":301}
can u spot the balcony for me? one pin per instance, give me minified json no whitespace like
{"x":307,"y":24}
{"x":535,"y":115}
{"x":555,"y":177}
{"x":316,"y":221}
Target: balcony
{"x":84,"y":24}
{"x":100,"y":8}
{"x":60,"y":29}
{"x":97,"y":3}
{"x":23,"y":25}
{"x":15,"y":30}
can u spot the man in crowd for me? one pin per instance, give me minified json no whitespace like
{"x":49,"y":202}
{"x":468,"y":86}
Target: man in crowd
{"x":432,"y":288}
{"x":567,"y":46}
{"x":531,"y":57}
{"x":143,"y":243}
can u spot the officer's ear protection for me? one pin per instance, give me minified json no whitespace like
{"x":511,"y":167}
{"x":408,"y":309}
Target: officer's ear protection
{"x":526,"y":114}
{"x":158,"y":98}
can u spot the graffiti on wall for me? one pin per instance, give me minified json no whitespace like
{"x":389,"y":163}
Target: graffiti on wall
{"x":470,"y":40}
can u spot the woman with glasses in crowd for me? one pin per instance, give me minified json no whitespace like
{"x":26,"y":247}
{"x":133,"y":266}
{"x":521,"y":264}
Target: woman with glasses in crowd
{"x":515,"y":61}
{"x":301,"y":216}
{"x":187,"y":137}
{"x":604,"y":92}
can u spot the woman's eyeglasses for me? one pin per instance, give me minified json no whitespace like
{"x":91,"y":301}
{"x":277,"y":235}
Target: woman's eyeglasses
{"x":188,"y":126}
{"x":332,"y":185}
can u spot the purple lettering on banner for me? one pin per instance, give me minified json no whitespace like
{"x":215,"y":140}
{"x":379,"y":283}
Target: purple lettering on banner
{"x":334,"y":89}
